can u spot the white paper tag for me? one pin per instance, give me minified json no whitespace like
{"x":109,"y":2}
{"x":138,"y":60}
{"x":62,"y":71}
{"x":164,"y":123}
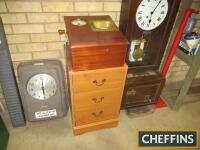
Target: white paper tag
{"x":45,"y":114}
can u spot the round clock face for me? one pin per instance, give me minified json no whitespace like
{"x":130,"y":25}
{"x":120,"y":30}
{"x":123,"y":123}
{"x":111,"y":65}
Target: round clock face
{"x":41,"y":86}
{"x":151,"y":13}
{"x":78,"y":22}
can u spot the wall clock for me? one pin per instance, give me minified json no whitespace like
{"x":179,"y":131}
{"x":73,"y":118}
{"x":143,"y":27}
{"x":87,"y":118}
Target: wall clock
{"x":147,"y":25}
{"x":150,"y":21}
{"x":43,"y":90}
{"x":151,"y":13}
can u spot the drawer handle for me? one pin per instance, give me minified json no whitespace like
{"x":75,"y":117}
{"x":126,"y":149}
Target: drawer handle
{"x":99,"y":83}
{"x":131,"y":92}
{"x":98,"y":100}
{"x":97,"y":114}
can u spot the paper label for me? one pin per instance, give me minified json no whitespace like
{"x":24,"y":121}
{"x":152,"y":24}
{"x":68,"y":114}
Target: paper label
{"x":45,"y":114}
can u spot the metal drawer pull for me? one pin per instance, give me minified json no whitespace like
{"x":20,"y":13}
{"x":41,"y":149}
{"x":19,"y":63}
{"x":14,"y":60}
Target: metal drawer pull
{"x":131,"y":92}
{"x":97,"y":114}
{"x":98,"y":100}
{"x":99,"y":83}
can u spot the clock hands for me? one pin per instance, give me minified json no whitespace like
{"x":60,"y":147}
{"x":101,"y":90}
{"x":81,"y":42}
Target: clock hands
{"x":151,"y":13}
{"x":43,"y":88}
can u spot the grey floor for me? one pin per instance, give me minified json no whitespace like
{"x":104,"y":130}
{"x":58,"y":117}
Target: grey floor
{"x":57,"y":134}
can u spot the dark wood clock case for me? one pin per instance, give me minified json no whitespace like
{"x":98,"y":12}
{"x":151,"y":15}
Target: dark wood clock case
{"x":144,"y":81}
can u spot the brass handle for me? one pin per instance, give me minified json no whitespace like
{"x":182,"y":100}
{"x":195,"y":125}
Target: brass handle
{"x":99,"y":83}
{"x":97,"y":114}
{"x":98,"y":100}
{"x":131,"y":91}
{"x":61,"y":32}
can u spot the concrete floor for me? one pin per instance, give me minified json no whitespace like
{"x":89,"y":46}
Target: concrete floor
{"x":57,"y":134}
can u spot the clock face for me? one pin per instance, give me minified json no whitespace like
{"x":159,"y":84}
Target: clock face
{"x":78,"y":22}
{"x":41,"y":86}
{"x":151,"y":13}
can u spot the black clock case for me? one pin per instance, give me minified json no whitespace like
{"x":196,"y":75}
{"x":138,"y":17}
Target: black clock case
{"x":149,"y":87}
{"x":31,"y":105}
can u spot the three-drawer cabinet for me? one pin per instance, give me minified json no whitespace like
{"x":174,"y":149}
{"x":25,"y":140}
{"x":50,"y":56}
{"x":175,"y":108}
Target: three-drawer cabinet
{"x":96,"y":97}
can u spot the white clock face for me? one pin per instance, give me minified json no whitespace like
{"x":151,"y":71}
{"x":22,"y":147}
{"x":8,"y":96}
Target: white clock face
{"x":41,"y":86}
{"x":151,"y":13}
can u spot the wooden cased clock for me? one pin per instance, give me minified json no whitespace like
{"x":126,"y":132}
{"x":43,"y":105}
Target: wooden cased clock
{"x":147,"y":25}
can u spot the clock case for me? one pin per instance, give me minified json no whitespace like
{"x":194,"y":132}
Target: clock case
{"x":31,"y":105}
{"x":90,"y":49}
{"x":144,"y":81}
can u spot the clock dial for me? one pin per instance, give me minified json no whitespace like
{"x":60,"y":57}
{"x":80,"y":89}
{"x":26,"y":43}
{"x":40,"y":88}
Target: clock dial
{"x":78,"y":22}
{"x":41,"y":86}
{"x":151,"y":13}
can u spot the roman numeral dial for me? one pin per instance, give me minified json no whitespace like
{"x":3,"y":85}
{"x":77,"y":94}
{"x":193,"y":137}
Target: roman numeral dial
{"x":151,"y":13}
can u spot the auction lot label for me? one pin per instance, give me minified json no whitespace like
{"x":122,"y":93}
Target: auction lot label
{"x":180,"y":139}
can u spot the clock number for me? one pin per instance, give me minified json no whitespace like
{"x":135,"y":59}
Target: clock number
{"x":140,"y":12}
{"x":140,"y":18}
{"x":162,"y":12}
{"x":148,"y":0}
{"x":142,"y":23}
{"x":162,"y":5}
{"x":159,"y":19}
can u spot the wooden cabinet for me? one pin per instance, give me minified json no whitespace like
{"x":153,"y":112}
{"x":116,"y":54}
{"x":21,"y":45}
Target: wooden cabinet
{"x":94,"y":49}
{"x":96,"y":97}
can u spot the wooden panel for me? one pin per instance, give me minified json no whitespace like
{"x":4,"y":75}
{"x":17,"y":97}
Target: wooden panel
{"x":97,"y":98}
{"x":143,"y":94}
{"x":89,"y":58}
{"x":95,"y":126}
{"x":83,"y":36}
{"x":91,"y":80}
{"x":95,"y":114}
{"x":94,"y":50}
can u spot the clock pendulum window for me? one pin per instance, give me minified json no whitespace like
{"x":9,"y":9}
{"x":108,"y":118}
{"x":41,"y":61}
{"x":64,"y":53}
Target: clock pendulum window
{"x":147,"y":25}
{"x":43,"y":89}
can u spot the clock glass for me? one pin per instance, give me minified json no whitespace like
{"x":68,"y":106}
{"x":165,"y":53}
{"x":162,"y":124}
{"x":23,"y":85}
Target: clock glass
{"x":41,"y":86}
{"x":151,"y":13}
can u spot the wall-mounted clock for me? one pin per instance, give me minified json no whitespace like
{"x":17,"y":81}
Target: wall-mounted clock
{"x":147,"y":25}
{"x":151,"y":13}
{"x":43,"y":89}
{"x":149,"y":20}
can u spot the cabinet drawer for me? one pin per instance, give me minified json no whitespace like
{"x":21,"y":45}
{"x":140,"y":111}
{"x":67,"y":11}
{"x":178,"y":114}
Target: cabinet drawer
{"x":84,"y":81}
{"x":91,"y":115}
{"x":98,"y":98}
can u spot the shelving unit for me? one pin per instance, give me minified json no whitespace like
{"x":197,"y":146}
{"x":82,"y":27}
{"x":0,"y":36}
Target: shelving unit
{"x":186,"y":58}
{"x":175,"y":93}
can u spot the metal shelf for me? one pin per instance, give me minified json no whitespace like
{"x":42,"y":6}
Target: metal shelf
{"x":184,"y":57}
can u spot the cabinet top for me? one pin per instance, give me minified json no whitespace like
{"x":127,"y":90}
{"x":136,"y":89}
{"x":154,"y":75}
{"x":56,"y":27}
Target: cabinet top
{"x":85,"y":34}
